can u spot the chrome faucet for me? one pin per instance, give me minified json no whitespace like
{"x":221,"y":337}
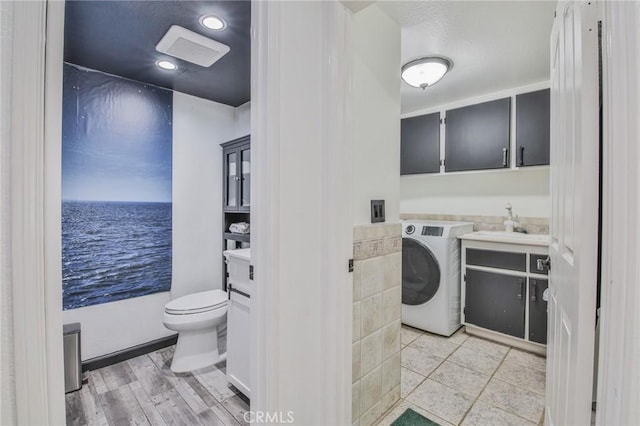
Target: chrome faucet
{"x":509,"y":211}
{"x":513,"y":224}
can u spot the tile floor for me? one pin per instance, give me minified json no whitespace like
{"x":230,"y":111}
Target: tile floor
{"x":465,"y":380}
{"x":144,"y":391}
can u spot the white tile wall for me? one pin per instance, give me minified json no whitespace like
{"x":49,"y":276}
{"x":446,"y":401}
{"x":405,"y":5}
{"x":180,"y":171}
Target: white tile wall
{"x":376,"y":320}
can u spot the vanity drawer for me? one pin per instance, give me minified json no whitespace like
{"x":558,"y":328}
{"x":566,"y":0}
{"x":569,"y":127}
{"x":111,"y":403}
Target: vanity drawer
{"x":497,"y":259}
{"x":533,"y":264}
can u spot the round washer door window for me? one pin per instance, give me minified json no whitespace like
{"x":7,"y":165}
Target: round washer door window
{"x":420,"y":273}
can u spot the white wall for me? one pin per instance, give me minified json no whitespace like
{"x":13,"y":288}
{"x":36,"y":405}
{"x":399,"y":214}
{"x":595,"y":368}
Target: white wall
{"x":478,"y":193}
{"x":243,"y":119}
{"x":376,"y":175}
{"x":110,"y":327}
{"x":199,"y":127}
{"x":7,"y":397}
{"x":376,"y":114}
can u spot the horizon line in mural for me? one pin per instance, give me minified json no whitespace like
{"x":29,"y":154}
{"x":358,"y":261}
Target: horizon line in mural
{"x":114,"y":201}
{"x":116,"y":188}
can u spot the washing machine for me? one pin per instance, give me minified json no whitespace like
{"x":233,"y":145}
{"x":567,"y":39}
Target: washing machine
{"x":431,"y":275}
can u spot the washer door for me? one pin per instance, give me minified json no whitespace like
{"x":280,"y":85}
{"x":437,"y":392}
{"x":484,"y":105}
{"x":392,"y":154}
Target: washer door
{"x":420,"y":273}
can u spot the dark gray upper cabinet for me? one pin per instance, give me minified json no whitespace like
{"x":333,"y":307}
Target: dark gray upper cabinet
{"x":236,"y":175}
{"x":420,"y":144}
{"x":532,"y":128}
{"x":477,"y":136}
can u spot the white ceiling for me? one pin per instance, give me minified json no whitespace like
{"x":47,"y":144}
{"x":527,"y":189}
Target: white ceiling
{"x":494,"y":45}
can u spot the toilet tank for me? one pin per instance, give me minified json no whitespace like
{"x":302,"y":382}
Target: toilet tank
{"x":238,"y":262}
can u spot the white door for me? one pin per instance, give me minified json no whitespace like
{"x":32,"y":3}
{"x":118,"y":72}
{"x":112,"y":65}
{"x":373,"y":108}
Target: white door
{"x":574,"y":216}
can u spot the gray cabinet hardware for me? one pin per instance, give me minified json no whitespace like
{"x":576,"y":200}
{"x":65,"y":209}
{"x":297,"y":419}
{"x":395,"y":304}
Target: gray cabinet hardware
{"x":520,"y":294}
{"x":544,"y":263}
{"x":534,"y":285}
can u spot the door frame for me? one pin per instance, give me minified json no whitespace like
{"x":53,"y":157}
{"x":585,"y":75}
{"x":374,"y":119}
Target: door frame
{"x":274,"y":371}
{"x":619,"y":346}
{"x":36,"y":287}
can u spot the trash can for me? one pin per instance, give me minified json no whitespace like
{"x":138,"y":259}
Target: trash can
{"x":72,"y":362}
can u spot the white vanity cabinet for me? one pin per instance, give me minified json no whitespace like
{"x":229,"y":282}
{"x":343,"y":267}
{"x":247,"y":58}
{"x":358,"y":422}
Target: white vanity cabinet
{"x":239,"y":320}
{"x":503,"y":281}
{"x":238,"y":341}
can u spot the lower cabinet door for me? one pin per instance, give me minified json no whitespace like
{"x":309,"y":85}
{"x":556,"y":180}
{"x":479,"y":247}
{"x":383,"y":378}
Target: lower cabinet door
{"x":537,"y":311}
{"x":238,"y":342}
{"x":495,"y":301}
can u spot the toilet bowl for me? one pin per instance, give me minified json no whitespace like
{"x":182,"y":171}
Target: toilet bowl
{"x":196,"y":318}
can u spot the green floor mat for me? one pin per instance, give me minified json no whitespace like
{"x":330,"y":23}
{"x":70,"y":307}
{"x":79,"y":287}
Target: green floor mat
{"x":411,"y":418}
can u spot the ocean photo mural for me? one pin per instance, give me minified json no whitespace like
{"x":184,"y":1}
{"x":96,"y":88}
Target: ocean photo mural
{"x":116,"y":188}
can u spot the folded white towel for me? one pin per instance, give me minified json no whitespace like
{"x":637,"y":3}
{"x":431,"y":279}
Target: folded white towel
{"x":239,"y":228}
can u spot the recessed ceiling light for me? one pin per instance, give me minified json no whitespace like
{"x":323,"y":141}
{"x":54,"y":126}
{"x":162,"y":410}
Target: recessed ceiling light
{"x":425,"y":72}
{"x":167,"y":65}
{"x":212,"y":22}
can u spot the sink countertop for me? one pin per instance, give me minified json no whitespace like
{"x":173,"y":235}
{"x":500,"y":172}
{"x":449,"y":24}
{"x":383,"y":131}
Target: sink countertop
{"x":508,"y":237}
{"x":242,"y":254}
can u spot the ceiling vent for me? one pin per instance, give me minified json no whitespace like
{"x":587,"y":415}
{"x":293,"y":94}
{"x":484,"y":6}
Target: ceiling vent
{"x":192,"y":47}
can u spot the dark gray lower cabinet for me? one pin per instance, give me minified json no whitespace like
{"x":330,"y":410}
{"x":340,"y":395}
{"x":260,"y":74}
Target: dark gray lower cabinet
{"x":497,"y":259}
{"x":537,"y":311}
{"x":495,"y":301}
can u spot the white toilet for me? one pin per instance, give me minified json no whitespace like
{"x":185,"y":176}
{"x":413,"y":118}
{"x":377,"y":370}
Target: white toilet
{"x":196,"y":318}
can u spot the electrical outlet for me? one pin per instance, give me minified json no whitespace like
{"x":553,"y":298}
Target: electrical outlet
{"x":377,"y":211}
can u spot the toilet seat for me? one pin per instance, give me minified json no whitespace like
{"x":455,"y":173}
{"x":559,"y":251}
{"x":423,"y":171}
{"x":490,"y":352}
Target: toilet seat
{"x":196,"y":303}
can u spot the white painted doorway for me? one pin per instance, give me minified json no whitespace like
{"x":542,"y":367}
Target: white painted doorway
{"x":307,"y":285}
{"x":574,"y":216}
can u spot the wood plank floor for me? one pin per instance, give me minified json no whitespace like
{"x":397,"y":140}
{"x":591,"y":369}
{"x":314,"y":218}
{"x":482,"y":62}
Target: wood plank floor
{"x":144,"y":391}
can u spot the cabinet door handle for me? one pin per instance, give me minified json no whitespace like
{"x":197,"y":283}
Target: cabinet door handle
{"x":505,"y":155}
{"x":543,"y":264}
{"x":533,"y":291}
{"x":521,"y":156}
{"x":521,"y":288}
{"x":235,"y":290}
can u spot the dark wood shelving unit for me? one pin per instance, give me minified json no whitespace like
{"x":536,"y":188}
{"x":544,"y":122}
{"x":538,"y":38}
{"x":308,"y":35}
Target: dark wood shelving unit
{"x":236,"y":194}
{"x":244,"y":238}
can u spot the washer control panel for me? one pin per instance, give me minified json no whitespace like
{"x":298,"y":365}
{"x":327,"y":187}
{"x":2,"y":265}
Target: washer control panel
{"x":432,"y":231}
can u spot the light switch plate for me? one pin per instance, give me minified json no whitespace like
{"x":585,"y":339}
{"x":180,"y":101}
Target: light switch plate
{"x":377,"y":211}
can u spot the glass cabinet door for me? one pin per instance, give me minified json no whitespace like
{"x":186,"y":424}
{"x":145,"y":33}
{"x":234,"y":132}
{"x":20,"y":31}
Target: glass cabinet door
{"x":245,"y":178}
{"x":231,"y":186}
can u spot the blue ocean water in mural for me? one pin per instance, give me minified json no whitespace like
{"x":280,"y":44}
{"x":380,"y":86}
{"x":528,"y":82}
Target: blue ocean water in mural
{"x":116,"y":188}
{"x":114,"y":250}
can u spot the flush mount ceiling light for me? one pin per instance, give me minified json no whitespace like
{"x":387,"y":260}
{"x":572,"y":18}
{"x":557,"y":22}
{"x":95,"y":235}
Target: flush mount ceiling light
{"x":425,"y":72}
{"x":212,"y":22}
{"x":167,"y":65}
